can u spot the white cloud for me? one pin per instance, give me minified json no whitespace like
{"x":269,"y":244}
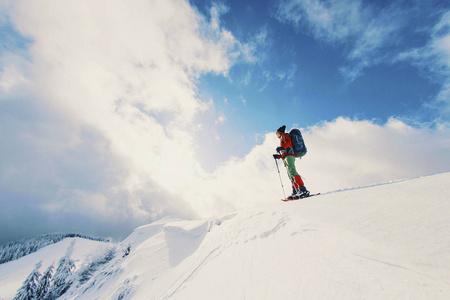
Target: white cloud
{"x":217,"y":9}
{"x":221,"y":119}
{"x":288,"y":76}
{"x":107,"y":124}
{"x":347,"y":153}
{"x":247,"y":78}
{"x":243,"y":100}
{"x":10,"y":79}
{"x":341,"y":154}
{"x":261,"y":38}
{"x":435,"y":56}
{"x":349,"y":22}
{"x":254,"y":50}
{"x":13,"y":78}
{"x":332,"y":21}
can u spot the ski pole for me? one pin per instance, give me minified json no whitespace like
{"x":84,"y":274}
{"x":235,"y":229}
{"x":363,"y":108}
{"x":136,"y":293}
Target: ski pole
{"x":279,"y":175}
{"x":291,"y":178}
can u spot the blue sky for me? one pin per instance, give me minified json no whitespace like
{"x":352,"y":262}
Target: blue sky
{"x":113,"y":115}
{"x":311,"y":63}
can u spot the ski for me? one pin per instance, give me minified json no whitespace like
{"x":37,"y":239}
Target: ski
{"x":286,"y":200}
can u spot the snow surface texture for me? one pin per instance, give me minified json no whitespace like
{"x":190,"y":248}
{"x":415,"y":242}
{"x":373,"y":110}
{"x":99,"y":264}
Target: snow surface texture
{"x":390,"y":241}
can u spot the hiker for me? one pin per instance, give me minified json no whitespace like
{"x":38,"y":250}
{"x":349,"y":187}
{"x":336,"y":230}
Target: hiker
{"x":286,"y":153}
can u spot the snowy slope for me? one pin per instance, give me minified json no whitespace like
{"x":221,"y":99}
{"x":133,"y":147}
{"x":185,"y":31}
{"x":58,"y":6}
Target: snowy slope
{"x":389,"y":241}
{"x":13,"y":273}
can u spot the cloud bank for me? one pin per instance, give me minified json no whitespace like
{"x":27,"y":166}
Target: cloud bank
{"x":98,"y":117}
{"x":100,"y":122}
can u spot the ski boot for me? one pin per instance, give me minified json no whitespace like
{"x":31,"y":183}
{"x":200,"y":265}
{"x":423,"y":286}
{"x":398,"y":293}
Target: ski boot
{"x":303,"y":192}
{"x":294,"y":195}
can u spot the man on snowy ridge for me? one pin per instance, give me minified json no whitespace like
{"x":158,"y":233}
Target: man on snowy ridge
{"x":286,"y":153}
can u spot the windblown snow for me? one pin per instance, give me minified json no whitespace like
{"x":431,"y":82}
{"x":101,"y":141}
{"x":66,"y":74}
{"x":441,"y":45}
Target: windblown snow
{"x":389,"y":241}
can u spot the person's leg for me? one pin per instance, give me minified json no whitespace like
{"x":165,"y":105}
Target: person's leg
{"x":295,"y":178}
{"x":298,"y":187}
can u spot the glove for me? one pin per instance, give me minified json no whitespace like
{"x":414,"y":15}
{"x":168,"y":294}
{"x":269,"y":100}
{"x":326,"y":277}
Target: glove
{"x":279,"y":149}
{"x":276,"y":156}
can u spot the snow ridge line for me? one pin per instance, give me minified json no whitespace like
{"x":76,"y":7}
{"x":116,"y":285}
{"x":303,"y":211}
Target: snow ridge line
{"x":378,"y":184}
